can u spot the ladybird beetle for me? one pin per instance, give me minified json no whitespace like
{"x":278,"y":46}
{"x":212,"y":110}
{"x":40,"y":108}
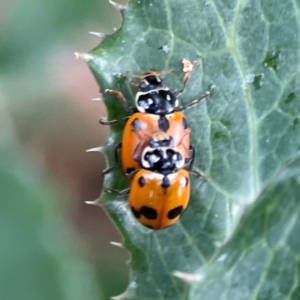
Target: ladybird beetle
{"x":160,"y":191}
{"x":156,"y":109}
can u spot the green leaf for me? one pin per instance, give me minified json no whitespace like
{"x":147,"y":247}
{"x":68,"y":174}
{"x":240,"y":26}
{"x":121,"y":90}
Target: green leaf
{"x":243,"y":134}
{"x":261,"y":261}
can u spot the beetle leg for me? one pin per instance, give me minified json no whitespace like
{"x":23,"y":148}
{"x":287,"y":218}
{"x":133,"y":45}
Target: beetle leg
{"x":103,"y":121}
{"x":120,"y":97}
{"x":132,"y":173}
{"x":119,"y":193}
{"x":195,"y":102}
{"x":108,"y":170}
{"x":197,"y":174}
{"x":191,"y":162}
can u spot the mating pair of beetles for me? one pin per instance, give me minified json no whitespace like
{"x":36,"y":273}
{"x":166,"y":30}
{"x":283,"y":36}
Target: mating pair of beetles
{"x":157,"y":157}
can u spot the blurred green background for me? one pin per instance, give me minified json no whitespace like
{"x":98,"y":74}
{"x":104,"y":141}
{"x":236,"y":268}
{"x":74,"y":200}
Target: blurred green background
{"x":53,"y":245}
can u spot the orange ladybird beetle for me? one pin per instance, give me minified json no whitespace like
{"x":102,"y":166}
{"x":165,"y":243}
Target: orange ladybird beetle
{"x":160,"y":189}
{"x":156,"y":109}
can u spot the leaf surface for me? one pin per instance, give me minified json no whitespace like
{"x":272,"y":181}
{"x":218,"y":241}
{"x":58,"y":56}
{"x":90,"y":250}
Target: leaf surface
{"x":261,"y":261}
{"x":243,"y":133}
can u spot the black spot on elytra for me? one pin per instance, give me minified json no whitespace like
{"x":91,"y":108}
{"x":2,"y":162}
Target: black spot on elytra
{"x":165,"y":182}
{"x":142,"y":181}
{"x":148,"y":212}
{"x":136,"y":125}
{"x":135,"y":212}
{"x":185,"y":124}
{"x":175,"y":212}
{"x":163,"y":123}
